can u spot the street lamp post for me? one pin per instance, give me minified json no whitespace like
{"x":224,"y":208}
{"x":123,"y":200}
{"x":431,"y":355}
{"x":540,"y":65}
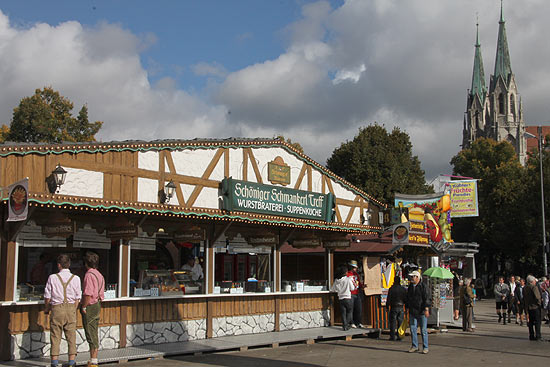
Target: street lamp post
{"x":540,"y":141}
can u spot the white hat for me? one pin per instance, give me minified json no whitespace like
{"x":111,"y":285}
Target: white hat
{"x":414,"y":274}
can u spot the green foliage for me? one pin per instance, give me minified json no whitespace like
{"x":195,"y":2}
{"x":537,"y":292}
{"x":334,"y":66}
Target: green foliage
{"x":296,"y":145}
{"x":46,"y":117}
{"x":380,"y":163}
{"x":4,"y":131}
{"x":506,"y":201}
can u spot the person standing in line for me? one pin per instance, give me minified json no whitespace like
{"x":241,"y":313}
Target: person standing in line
{"x":520,"y":301}
{"x":343,"y":285}
{"x":418,"y":304}
{"x":395,"y":301}
{"x":501,"y":291}
{"x":61,"y":297}
{"x":467,"y":305}
{"x":512,"y":298}
{"x":356,"y":299}
{"x":533,"y":304}
{"x":93,"y":294}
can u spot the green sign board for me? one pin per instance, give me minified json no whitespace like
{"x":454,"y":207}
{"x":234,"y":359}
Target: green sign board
{"x":253,"y":197}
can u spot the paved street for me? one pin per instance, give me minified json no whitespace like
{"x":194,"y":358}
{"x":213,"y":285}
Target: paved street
{"x":492,"y":344}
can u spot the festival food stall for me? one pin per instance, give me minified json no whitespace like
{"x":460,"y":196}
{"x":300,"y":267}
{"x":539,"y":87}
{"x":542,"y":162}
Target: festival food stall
{"x":189,"y":235}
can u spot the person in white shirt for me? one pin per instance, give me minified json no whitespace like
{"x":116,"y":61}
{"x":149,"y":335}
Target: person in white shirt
{"x":343,"y":285}
{"x":512,"y":301}
{"x":194,"y":268}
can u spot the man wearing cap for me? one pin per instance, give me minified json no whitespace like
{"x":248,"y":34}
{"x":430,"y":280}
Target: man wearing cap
{"x":355,"y":295}
{"x":62,"y":296}
{"x":418,"y":303}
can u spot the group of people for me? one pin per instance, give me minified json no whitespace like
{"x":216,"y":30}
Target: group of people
{"x":527,"y":298}
{"x":64,"y":295}
{"x":416,"y":299}
{"x":347,"y":284}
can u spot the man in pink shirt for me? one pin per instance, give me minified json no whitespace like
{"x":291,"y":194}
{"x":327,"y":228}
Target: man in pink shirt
{"x":62,"y":296}
{"x":94,"y":285}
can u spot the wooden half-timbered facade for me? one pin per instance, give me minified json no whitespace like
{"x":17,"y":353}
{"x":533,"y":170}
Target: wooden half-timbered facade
{"x":235,"y":202}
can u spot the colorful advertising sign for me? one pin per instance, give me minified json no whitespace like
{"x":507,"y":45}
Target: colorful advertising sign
{"x":464,"y":198}
{"x":274,"y":200}
{"x":18,"y":207}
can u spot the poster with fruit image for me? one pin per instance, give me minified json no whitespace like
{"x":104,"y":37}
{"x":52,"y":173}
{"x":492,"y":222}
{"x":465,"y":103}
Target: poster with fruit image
{"x":18,"y":201}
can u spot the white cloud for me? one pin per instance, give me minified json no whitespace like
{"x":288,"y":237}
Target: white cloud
{"x":400,"y":63}
{"x":101,"y":67}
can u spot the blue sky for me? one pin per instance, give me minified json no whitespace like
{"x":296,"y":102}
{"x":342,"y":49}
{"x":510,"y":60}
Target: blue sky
{"x":179,"y":34}
{"x":314,"y":71}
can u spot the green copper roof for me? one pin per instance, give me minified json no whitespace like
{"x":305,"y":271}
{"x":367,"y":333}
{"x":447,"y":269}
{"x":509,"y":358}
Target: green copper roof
{"x":478,"y":76}
{"x":502,"y":62}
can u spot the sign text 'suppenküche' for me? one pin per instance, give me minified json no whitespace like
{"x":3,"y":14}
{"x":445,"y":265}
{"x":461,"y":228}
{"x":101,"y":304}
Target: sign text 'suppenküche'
{"x":274,"y":200}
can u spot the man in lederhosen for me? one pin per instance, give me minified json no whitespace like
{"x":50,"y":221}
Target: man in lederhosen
{"x":61,"y":297}
{"x":94,"y":287}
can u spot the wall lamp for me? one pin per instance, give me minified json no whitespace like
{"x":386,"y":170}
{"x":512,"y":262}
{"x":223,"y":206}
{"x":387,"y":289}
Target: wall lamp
{"x":168,"y":192}
{"x":56,"y":179}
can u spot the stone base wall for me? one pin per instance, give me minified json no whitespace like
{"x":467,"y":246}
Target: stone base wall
{"x":304,"y":320}
{"x":165,"y":332}
{"x":237,"y":325}
{"x":37,"y":344}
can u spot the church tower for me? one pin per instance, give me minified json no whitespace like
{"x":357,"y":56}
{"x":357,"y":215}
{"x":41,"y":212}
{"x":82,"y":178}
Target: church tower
{"x":498,"y":112}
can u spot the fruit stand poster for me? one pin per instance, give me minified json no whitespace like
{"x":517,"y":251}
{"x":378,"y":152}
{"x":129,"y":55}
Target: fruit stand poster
{"x":464,"y":198}
{"x":18,"y":207}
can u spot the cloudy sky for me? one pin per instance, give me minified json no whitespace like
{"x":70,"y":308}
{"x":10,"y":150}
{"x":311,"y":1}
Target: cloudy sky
{"x":314,"y":71}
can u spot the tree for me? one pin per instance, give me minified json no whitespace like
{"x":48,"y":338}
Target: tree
{"x":46,"y":117}
{"x":380,"y":163}
{"x":296,"y":145}
{"x":504,"y":228}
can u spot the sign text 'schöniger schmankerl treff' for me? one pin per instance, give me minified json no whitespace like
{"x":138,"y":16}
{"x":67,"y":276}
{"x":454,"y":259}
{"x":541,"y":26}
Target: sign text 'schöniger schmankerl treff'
{"x":253,"y":197}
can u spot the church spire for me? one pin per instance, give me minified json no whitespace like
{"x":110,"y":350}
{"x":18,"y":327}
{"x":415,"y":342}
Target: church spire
{"x":502,"y":62}
{"x":478,"y":75}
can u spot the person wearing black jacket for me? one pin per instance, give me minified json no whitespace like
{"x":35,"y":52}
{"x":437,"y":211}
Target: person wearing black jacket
{"x":418,"y":302}
{"x":395,"y":301}
{"x":522,"y":310}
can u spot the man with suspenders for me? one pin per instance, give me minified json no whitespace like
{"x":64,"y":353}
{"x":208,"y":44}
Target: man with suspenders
{"x":62,"y":296}
{"x":94,"y":286}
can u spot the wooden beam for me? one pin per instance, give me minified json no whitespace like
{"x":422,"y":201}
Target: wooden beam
{"x":301,"y":176}
{"x":245,"y":164}
{"x":205,"y":175}
{"x":8,"y":251}
{"x":309,"y":179}
{"x":123,"y":323}
{"x":124,"y":266}
{"x":136,"y":172}
{"x":277,"y":320}
{"x":331,"y":189}
{"x":254,"y":165}
{"x":209,"y":317}
{"x":352,"y":210}
{"x":172,"y":169}
{"x":226,"y":162}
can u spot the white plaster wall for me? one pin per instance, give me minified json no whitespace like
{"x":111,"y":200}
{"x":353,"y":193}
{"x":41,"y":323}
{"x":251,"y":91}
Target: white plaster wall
{"x":81,"y":182}
{"x":208,"y":198}
{"x":316,"y":181}
{"x":341,"y":192}
{"x":147,"y":190}
{"x":148,"y":160}
{"x":236,"y":163}
{"x":193,"y":162}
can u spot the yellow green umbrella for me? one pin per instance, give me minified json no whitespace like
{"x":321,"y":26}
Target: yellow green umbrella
{"x":438,"y":272}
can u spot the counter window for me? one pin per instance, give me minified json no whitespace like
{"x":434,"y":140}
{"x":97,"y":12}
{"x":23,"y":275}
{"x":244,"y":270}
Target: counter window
{"x":37,"y":255}
{"x":241,"y":269}
{"x":162,"y":267}
{"x":303,"y":272}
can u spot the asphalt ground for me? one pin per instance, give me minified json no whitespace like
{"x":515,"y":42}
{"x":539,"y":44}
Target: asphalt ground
{"x":492,"y":344}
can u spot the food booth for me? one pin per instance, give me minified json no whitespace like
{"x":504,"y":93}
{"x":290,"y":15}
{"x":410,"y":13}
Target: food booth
{"x":189,"y":234}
